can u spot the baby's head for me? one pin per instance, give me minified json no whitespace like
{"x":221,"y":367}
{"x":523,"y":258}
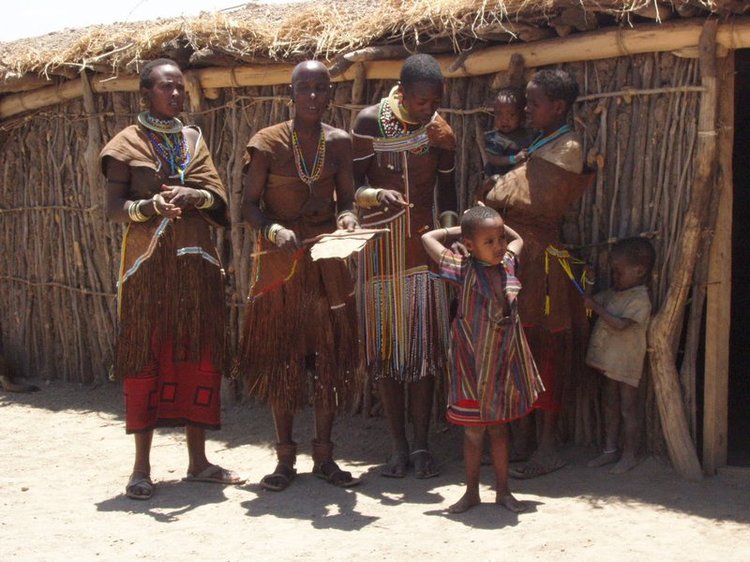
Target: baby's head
{"x":549,"y":96}
{"x":509,"y":115}
{"x":483,"y":232}
{"x":631,"y":261}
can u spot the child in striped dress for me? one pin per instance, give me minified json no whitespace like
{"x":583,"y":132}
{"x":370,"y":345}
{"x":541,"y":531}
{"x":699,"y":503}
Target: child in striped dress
{"x":493,"y":377}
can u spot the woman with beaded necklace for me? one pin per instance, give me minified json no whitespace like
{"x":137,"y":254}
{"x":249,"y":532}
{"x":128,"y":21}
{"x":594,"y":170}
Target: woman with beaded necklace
{"x":171,"y":349}
{"x":300,"y":315}
{"x":404,"y":155}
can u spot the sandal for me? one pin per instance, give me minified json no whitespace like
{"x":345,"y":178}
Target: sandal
{"x":279,"y":479}
{"x":139,"y":487}
{"x":423,"y":464}
{"x":332,"y":473}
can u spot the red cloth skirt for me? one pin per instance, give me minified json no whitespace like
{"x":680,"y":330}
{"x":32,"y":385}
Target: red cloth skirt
{"x":552,"y":354}
{"x":169,"y":393}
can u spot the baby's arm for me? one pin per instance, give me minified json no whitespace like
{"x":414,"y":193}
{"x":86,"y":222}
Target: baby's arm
{"x":510,"y":160}
{"x":514,"y":240}
{"x":611,"y":320}
{"x":435,"y":241}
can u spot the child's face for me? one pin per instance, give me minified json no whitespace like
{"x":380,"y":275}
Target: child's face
{"x":422,"y":100}
{"x":625,"y":274}
{"x":544,"y":113}
{"x":488,"y":242}
{"x":507,"y":117}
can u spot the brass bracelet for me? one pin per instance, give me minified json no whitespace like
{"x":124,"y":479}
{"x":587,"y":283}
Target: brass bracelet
{"x":156,"y":208}
{"x":134,"y":211}
{"x":448,"y":218}
{"x":367,"y":197}
{"x":208,"y":199}
{"x":271,"y":231}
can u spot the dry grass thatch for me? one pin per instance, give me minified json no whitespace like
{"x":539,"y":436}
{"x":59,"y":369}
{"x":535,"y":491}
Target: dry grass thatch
{"x":325,"y":29}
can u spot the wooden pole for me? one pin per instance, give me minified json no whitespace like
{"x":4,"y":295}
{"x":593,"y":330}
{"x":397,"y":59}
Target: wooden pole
{"x":595,"y":45}
{"x":719,"y":287}
{"x":667,"y":323}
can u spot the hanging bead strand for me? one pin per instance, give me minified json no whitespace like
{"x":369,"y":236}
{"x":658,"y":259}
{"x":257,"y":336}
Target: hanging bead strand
{"x":307,"y":176}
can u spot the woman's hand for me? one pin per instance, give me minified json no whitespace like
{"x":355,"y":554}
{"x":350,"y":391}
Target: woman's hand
{"x":347,"y":221}
{"x":165,"y":208}
{"x":181,"y":196}
{"x":287,"y":240}
{"x":392,"y":198}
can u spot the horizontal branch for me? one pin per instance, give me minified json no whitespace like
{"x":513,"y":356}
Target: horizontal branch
{"x":48,"y":208}
{"x":57,"y":286}
{"x":595,"y":45}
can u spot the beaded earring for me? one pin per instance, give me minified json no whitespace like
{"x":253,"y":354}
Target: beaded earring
{"x":144,"y":103}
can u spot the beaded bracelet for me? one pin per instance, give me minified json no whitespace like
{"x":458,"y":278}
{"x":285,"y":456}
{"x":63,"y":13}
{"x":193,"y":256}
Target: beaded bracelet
{"x":512,"y":159}
{"x":208,"y":199}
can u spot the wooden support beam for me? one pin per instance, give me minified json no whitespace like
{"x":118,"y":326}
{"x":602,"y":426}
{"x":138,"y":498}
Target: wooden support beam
{"x":719,"y":288}
{"x":666,"y":324}
{"x":602,"y":44}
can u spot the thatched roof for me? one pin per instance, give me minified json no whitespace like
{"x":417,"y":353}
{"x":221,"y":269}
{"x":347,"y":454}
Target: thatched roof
{"x":326,"y":29}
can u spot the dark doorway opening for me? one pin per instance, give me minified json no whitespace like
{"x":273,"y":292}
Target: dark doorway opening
{"x":739,"y":357}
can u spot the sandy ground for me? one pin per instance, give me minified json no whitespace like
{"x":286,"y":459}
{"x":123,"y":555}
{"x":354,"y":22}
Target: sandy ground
{"x":66,"y":459}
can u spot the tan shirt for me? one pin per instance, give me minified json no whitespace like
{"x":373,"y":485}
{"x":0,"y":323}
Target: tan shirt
{"x":619,"y":354}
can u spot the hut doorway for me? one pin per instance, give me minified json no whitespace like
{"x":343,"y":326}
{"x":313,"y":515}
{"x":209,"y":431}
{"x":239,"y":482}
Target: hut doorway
{"x":738,"y":437}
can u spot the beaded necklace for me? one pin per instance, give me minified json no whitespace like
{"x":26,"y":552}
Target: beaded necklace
{"x":172,"y":148}
{"x":308,"y":176}
{"x":164,"y":126}
{"x":541,"y":140}
{"x":168,"y":141}
{"x":391,"y":126}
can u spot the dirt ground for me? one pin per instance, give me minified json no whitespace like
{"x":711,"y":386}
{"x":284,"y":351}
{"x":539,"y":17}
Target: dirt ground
{"x":66,"y":459}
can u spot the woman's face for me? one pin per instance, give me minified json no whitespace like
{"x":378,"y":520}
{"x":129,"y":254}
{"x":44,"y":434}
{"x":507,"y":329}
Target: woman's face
{"x":311,"y":91}
{"x":421,"y":100}
{"x":544,"y":113}
{"x":167,"y":96}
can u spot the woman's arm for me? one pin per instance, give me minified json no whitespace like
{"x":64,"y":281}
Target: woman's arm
{"x":514,"y":240}
{"x":253,"y":185}
{"x":118,"y":205}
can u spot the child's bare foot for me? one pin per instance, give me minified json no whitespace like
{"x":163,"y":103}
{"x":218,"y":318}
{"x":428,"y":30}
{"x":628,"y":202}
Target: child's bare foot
{"x":511,"y":503}
{"x":626,"y":463}
{"x":607,"y":457}
{"x":467,"y":501}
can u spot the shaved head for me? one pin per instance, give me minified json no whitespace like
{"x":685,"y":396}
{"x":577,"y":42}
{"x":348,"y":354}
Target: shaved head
{"x":307,"y":68}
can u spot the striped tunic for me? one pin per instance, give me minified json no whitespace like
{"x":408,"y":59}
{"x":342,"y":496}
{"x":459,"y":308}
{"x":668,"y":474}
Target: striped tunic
{"x":493,"y":378}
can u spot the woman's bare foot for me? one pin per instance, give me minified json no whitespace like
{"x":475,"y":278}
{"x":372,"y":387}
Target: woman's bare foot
{"x":626,"y":463}
{"x":467,"y":501}
{"x":511,"y":503}
{"x":607,"y":457}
